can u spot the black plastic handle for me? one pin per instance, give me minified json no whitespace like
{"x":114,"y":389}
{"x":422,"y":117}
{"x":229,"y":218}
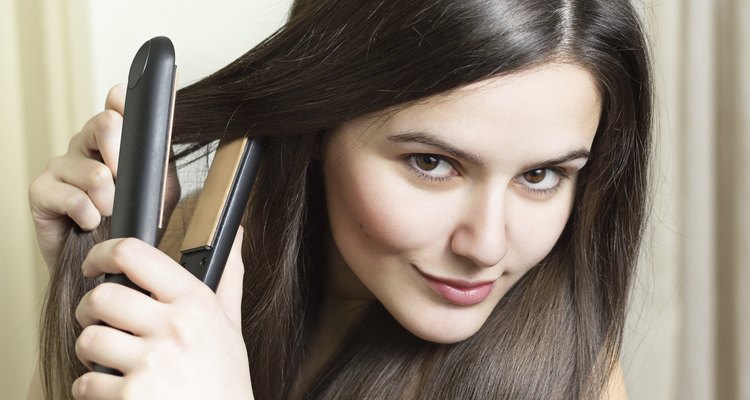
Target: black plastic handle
{"x":144,"y":149}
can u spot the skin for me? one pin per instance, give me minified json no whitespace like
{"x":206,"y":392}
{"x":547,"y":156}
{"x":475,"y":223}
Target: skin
{"x":481,"y":221}
{"x":479,"y":215}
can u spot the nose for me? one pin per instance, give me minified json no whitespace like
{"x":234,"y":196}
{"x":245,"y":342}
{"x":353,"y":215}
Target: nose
{"x":481,"y":234}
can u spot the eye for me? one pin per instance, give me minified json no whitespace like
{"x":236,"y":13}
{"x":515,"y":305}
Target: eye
{"x":541,"y":180}
{"x":431,"y":166}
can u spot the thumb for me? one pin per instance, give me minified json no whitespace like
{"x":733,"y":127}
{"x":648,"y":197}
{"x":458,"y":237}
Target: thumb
{"x":230,"y":286}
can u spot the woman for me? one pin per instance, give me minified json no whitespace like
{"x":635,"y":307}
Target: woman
{"x":450,"y":205}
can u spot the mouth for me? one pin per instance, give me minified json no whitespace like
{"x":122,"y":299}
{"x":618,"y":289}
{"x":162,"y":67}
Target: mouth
{"x":459,"y":292}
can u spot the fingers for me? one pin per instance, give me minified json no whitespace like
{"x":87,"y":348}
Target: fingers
{"x":92,"y":177}
{"x":230,"y":286}
{"x":80,"y":188}
{"x":97,"y":385}
{"x":100,"y":137}
{"x":79,"y":184}
{"x":107,"y":346}
{"x":145,"y":266}
{"x":50,"y":199}
{"x":116,"y":98}
{"x":89,"y":167}
{"x":120,"y":307}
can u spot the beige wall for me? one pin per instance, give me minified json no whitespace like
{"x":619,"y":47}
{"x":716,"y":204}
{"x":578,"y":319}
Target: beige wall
{"x":207,"y":34}
{"x":18,"y":295}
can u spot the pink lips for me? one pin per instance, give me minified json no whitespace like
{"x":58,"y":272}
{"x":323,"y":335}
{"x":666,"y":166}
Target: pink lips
{"x":458,"y":292}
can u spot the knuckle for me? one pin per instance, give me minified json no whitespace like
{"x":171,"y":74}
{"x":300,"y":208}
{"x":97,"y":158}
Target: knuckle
{"x":99,"y":297}
{"x":37,"y":188}
{"x":85,"y":339}
{"x":82,"y":387}
{"x":98,"y":176}
{"x":123,"y":250}
{"x":79,"y":207}
{"x":75,"y":203}
{"x":107,"y":124}
{"x":180,"y":332}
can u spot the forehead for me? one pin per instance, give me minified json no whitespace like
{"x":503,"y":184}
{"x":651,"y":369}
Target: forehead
{"x":544,"y":94}
{"x":546,"y":109}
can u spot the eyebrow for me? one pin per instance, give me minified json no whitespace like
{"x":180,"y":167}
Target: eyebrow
{"x":570,"y":156}
{"x":430,"y":140}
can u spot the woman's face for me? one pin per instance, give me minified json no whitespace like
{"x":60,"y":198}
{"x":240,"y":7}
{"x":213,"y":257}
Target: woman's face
{"x":436,"y":210}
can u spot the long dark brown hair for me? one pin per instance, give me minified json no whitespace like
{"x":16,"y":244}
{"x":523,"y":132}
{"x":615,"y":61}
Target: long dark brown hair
{"x":555,"y":334}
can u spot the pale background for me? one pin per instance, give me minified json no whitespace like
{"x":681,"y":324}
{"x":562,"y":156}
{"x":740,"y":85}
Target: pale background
{"x":689,"y":325}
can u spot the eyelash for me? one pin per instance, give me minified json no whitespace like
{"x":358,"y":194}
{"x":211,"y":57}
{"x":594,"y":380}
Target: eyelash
{"x":410,"y":160}
{"x":544,"y":193}
{"x":411,"y":163}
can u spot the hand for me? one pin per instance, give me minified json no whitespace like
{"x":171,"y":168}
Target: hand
{"x":184,"y":342}
{"x":79,"y":185}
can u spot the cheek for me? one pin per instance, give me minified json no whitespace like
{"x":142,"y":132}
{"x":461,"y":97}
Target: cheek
{"x":536,"y":227}
{"x":373,"y":209}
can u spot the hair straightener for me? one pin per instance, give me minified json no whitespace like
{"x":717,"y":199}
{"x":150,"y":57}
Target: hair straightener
{"x":138,"y":209}
{"x":139,"y":204}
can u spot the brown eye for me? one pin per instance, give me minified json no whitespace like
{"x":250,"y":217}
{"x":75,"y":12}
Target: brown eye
{"x":535,"y":176}
{"x":426,"y":162}
{"x":542,"y":181}
{"x":431,"y":167}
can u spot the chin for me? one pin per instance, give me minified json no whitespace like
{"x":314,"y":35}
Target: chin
{"x":444,"y":336}
{"x":442,"y":330}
